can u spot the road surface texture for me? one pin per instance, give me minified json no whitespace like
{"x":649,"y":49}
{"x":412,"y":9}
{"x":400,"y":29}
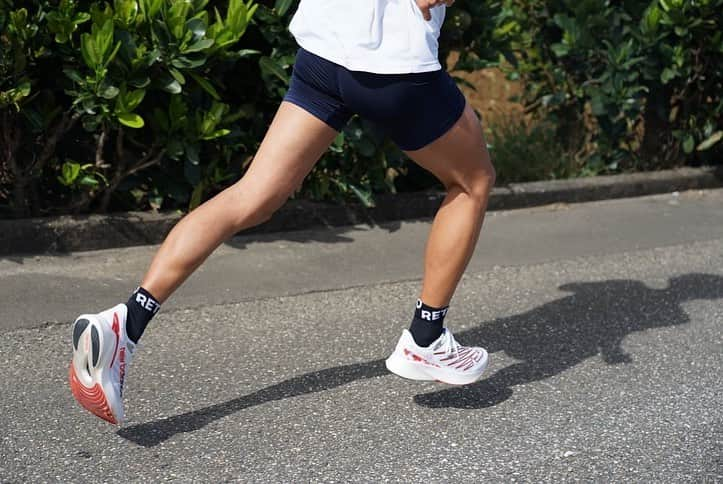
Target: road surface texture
{"x":603,"y":322}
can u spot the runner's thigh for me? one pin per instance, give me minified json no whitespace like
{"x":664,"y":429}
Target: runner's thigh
{"x":459,"y":157}
{"x":294,"y":142}
{"x":427,"y":116}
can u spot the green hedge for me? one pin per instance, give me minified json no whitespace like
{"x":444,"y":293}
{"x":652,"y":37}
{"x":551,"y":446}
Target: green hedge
{"x":160,"y":104}
{"x":628,"y":85}
{"x":154,"y":104}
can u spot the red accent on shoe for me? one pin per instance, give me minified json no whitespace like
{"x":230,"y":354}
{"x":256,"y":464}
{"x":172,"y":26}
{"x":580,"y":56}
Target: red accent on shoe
{"x":92,"y":399}
{"x":418,"y":358}
{"x":116,"y":330}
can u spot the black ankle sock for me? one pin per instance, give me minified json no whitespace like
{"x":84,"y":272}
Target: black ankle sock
{"x":427,"y":323}
{"x":142,"y":306}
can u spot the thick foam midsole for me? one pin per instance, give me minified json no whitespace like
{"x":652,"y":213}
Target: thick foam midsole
{"x":417,"y":371}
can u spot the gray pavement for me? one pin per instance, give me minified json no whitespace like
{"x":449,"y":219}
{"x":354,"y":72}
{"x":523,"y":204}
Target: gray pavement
{"x":603,"y":323}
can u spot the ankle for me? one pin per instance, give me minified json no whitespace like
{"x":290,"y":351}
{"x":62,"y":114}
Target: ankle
{"x":427,"y":324}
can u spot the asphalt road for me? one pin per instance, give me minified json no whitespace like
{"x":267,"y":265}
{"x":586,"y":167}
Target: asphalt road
{"x":603,"y":323}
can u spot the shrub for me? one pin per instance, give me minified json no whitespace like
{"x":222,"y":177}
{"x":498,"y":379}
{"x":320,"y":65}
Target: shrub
{"x":141,"y":78}
{"x":528,"y":152}
{"x":136,"y":104}
{"x":130,"y":104}
{"x":632,"y":85}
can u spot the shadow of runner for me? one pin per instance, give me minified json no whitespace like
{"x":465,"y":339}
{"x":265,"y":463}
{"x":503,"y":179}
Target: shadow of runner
{"x":153,"y":433}
{"x":558,"y":335}
{"x":547,"y":340}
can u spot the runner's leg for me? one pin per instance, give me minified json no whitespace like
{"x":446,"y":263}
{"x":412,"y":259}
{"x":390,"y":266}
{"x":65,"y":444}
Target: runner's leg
{"x":460,"y":160}
{"x":293,"y":144}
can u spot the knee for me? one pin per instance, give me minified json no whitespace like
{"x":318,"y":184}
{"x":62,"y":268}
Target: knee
{"x":254,"y":208}
{"x":485,"y":180}
{"x":478,"y":183}
{"x":263,"y":208}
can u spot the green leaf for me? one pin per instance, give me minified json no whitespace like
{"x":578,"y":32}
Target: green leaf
{"x":247,"y":53}
{"x":206,"y":85}
{"x":88,"y":52}
{"x":177,"y":75}
{"x":237,"y":16}
{"x":108,"y":92}
{"x":216,"y":134}
{"x":88,"y":181}
{"x":710,"y":141}
{"x":597,"y":105}
{"x":196,"y":197}
{"x":271,"y":67}
{"x":81,"y":17}
{"x":131,"y":120}
{"x":190,"y":61}
{"x":20,"y":92}
{"x":150,"y":8}
{"x":688,"y":144}
{"x":197,"y":27}
{"x":169,"y":84}
{"x":73,"y":74}
{"x":200,"y":45}
{"x":193,"y":153}
{"x":140,"y":81}
{"x":667,"y":75}
{"x":506,"y":28}
{"x":560,"y":50}
{"x":364,"y":197}
{"x":132,"y":99}
{"x":112,"y":54}
{"x":176,"y":18}
{"x":103,"y":40}
{"x":70,"y":172}
{"x":282,"y":6}
{"x":339,"y":140}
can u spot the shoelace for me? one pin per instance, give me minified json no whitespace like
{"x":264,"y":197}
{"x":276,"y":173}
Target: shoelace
{"x":450,"y":344}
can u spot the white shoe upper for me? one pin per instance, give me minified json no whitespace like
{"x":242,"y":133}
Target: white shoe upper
{"x":102,"y":353}
{"x":444,"y":360}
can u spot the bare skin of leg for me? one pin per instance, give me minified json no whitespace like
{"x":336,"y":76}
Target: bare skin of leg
{"x":460,"y":160}
{"x":293,"y":144}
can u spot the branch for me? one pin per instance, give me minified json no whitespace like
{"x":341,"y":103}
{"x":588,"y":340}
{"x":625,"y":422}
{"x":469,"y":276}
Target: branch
{"x":152,"y":157}
{"x":119,"y":145}
{"x":99,"y":162}
{"x":63,"y":126}
{"x":147,"y":162}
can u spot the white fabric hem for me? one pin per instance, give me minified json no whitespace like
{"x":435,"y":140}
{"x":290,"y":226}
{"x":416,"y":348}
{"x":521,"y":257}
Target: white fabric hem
{"x":363,"y":65}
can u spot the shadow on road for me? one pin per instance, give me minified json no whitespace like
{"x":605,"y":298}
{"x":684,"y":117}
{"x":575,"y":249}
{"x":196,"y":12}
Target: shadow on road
{"x":153,"y":433}
{"x":329,"y":235}
{"x":556,"y":336}
{"x":594,"y":319}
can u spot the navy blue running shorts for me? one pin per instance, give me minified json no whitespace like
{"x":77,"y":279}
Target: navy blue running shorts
{"x":413,"y":109}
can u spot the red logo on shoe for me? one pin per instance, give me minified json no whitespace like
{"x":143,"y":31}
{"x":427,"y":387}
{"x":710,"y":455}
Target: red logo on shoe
{"x":417,"y":358}
{"x":116,"y":329}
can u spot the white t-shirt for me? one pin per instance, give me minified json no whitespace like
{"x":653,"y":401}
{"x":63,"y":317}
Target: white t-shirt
{"x":379,"y":36}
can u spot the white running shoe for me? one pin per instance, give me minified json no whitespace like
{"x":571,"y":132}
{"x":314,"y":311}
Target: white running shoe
{"x":444,"y":360}
{"x":101,"y":355}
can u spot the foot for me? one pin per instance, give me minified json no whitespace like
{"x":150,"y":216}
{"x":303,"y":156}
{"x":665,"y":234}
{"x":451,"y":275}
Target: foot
{"x":444,"y":360}
{"x":101,"y":355}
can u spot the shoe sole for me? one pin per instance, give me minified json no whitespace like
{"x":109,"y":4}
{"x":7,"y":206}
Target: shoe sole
{"x":87,"y":331}
{"x":92,"y":399}
{"x":417,"y":371}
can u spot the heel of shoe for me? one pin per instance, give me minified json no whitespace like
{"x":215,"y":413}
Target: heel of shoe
{"x":406,"y":369}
